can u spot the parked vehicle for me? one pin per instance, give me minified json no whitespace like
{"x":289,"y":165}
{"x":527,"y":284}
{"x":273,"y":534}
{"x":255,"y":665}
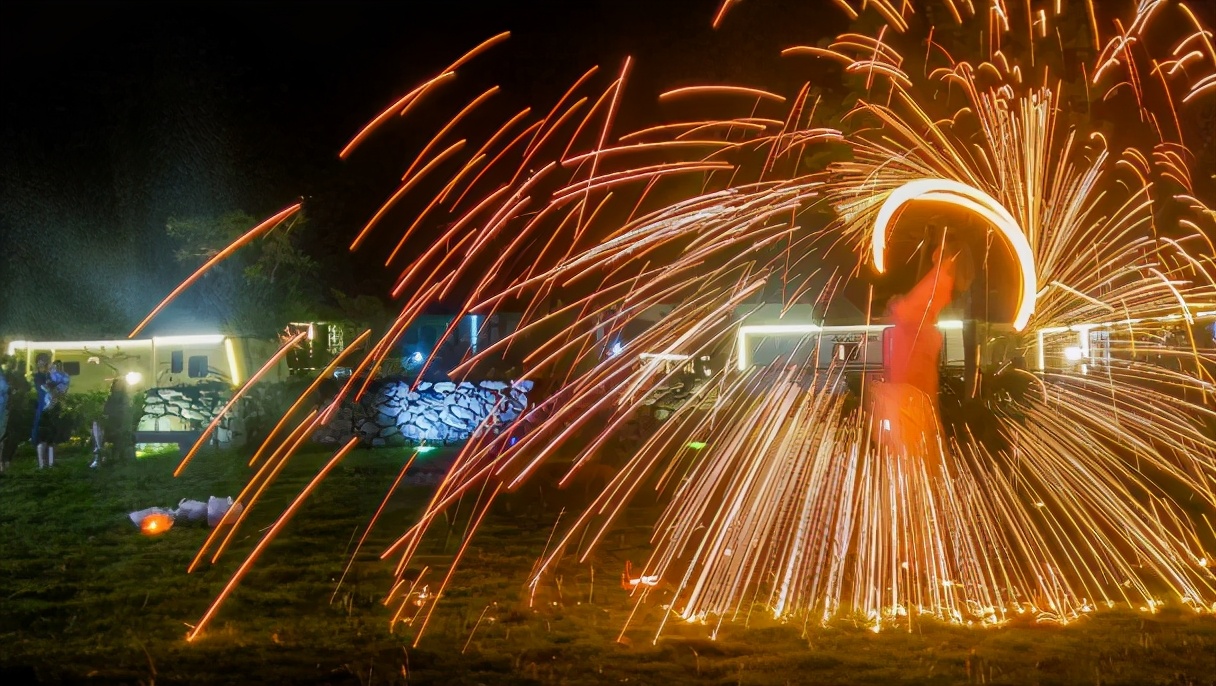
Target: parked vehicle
{"x":158,"y":362}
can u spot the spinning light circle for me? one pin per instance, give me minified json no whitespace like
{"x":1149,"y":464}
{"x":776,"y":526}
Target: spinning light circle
{"x":968,"y":198}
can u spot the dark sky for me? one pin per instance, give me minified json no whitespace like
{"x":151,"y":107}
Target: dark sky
{"x":117,"y":116}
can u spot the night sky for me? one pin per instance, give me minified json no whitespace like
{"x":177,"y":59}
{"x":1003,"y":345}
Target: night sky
{"x":118,"y":116}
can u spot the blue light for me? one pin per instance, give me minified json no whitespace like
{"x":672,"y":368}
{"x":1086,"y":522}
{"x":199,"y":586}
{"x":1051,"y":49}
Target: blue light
{"x":416,"y":357}
{"x":616,"y":349}
{"x":473,"y":322}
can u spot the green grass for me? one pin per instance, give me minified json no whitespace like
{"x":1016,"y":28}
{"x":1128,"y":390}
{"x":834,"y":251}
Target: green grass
{"x":85,"y":598}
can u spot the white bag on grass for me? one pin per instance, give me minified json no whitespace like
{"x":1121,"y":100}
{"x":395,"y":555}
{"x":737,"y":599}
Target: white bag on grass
{"x":137,"y":518}
{"x":216,"y":507}
{"x":192,"y":510}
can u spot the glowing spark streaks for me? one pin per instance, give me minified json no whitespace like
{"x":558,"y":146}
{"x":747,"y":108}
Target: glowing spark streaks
{"x":778,"y":487}
{"x":236,"y":397}
{"x":274,"y":530}
{"x":724,"y":90}
{"x":976,"y":201}
{"x":216,"y":259}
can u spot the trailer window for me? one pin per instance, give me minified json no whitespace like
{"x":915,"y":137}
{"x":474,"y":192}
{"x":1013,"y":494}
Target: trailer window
{"x":72,"y":368}
{"x":176,"y":362}
{"x":198,"y":366}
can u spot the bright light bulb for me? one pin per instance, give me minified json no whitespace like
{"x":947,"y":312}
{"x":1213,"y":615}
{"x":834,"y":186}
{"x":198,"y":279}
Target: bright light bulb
{"x":416,"y":357}
{"x":134,"y":378}
{"x":1072,"y":353}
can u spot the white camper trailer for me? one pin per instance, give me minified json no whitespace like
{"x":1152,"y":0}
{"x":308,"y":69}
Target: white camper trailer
{"x":161,"y":361}
{"x":858,"y":347}
{"x":797,"y":333}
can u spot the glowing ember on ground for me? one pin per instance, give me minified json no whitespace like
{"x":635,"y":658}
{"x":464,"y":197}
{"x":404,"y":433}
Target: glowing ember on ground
{"x":156,"y":523}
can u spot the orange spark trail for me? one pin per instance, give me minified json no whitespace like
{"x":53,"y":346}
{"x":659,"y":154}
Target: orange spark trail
{"x":371,"y":524}
{"x":723,"y":90}
{"x":405,"y":188}
{"x":452,"y":123}
{"x":274,"y":530}
{"x":236,"y":397}
{"x":392,"y":109}
{"x":257,"y":484}
{"x":721,"y":13}
{"x":279,"y":460}
{"x":409,"y":99}
{"x":312,"y":387}
{"x":219,"y":257}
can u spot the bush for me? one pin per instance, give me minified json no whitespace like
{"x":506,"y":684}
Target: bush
{"x":20,"y":407}
{"x":266,"y":403}
{"x":78,"y":411}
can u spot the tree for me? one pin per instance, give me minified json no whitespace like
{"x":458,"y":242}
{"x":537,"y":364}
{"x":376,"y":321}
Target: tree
{"x":256,"y":291}
{"x":359,"y":311}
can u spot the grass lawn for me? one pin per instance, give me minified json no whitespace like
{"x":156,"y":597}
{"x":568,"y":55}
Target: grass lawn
{"x":85,"y":598}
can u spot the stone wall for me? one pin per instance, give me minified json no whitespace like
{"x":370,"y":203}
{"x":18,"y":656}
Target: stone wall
{"x":185,"y":408}
{"x":434,"y":413}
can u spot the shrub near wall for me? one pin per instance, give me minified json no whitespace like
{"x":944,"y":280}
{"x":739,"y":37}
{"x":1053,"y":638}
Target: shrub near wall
{"x":20,"y":408}
{"x":266,"y":403}
{"x":78,"y":411}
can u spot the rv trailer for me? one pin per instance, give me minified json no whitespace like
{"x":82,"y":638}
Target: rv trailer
{"x":158,"y":362}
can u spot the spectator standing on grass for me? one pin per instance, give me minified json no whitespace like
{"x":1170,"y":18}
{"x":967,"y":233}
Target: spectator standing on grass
{"x":42,"y":398}
{"x":3,"y":417}
{"x":115,"y":423}
{"x":51,"y":384}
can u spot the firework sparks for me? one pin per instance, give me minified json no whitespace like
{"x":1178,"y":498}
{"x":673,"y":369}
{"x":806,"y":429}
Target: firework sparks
{"x":1052,"y":492}
{"x":220,"y":256}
